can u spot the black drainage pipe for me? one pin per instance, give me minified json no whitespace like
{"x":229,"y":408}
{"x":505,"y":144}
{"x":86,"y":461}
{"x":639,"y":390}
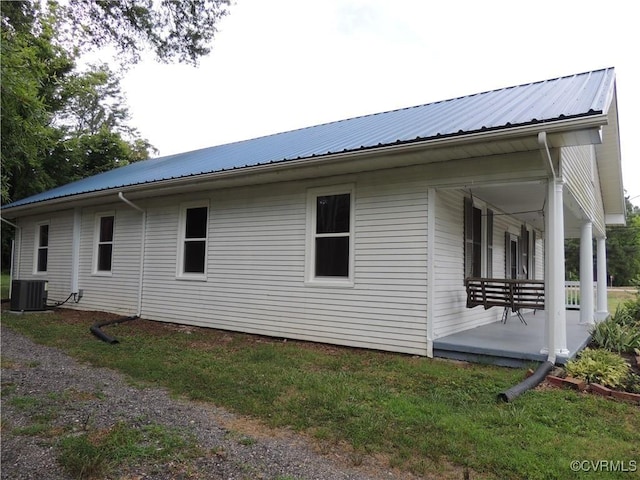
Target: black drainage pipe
{"x":534,"y":380}
{"x":95,"y":328}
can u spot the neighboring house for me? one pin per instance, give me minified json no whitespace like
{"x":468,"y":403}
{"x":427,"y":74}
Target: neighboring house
{"x":351,"y":232}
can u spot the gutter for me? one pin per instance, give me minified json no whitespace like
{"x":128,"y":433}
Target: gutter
{"x":142,"y":248}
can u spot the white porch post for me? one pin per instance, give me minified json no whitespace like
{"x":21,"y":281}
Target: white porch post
{"x":586,"y":273}
{"x":601,"y":259}
{"x":556,"y":326}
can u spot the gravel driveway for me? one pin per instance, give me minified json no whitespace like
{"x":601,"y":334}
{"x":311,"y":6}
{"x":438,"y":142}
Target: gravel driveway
{"x":81,"y":395}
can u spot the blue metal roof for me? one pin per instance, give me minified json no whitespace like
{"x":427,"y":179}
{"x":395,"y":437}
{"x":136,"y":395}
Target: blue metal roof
{"x":545,"y":101}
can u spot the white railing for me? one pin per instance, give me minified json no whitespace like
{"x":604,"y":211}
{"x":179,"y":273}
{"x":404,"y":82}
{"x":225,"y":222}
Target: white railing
{"x":572,"y":294}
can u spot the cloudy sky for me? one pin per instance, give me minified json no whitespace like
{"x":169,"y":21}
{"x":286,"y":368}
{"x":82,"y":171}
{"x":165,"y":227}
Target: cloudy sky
{"x":283,"y":64}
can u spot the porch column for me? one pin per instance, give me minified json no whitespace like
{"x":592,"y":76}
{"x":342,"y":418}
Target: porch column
{"x":602,"y":307}
{"x":556,"y":326}
{"x":586,"y":273}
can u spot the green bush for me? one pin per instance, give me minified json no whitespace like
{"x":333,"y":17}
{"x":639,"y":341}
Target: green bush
{"x":621,"y":332}
{"x":600,"y":366}
{"x":616,"y":336}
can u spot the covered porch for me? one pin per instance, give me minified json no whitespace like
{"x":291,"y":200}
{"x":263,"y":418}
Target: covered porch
{"x":512,"y":343}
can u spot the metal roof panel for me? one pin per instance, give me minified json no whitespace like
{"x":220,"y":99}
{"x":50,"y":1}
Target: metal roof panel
{"x":565,"y":97}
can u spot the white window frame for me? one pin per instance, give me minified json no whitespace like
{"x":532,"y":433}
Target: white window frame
{"x":310,"y":251}
{"x":96,"y":243}
{"x":182,"y":225}
{"x":38,"y":247}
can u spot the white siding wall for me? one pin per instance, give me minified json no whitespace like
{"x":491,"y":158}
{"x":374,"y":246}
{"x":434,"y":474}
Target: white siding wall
{"x":255,"y":279}
{"x":580,"y":174}
{"x":450,"y":312}
{"x":256,"y":267}
{"x":59,"y":258}
{"x":117,"y":292}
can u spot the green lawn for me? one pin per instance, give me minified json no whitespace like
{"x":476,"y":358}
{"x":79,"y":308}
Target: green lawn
{"x":4,"y":285}
{"x":420,"y":415}
{"x":616,"y":296}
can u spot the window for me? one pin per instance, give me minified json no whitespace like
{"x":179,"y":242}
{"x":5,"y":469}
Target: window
{"x":478,"y":240}
{"x":105,"y":224}
{"x":489,"y":273}
{"x":524,"y":252}
{"x":330,"y":225}
{"x":42,"y":248}
{"x":193,"y":245}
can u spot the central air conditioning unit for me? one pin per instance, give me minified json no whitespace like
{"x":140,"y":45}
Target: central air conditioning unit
{"x":28,"y":295}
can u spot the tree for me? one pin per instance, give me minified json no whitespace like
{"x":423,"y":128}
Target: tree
{"x":623,"y":250}
{"x":60,"y":124}
{"x":31,"y":69}
{"x":174,"y":29}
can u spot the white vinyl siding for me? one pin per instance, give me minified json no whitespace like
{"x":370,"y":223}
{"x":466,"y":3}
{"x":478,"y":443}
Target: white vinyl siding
{"x":118,"y":291}
{"x":581,"y":176}
{"x":450,"y":312}
{"x":256,"y":277}
{"x":58,"y":274}
{"x":256,"y":267}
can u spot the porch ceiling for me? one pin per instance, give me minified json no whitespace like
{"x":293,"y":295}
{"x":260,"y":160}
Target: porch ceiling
{"x":526,"y":202}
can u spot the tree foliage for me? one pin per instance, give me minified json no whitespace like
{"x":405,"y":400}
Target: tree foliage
{"x":61,"y":123}
{"x":174,"y":29}
{"x":623,"y":251}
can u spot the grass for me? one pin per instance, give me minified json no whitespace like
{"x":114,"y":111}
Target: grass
{"x":419,"y":414}
{"x":94,"y":454}
{"x":617,"y":296}
{"x":86,"y":452}
{"x":4,"y":285}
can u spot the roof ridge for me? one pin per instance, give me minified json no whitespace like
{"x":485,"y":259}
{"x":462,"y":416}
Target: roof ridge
{"x":386,"y":112}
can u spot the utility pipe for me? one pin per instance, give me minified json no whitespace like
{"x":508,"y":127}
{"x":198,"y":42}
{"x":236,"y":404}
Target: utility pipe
{"x":543,"y":370}
{"x":551,"y":333}
{"x":142,"y":247}
{"x":96,"y":328}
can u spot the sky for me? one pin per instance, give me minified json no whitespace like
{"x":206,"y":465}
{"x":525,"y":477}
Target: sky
{"x":278,"y":65}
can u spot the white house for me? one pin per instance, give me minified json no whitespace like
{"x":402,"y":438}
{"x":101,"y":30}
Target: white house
{"x":351,"y":232}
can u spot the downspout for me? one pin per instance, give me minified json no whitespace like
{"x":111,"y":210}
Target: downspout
{"x":543,"y":370}
{"x":75,"y":254}
{"x":543,"y":145}
{"x":431,"y":267}
{"x":13,"y":253}
{"x":142,"y":247}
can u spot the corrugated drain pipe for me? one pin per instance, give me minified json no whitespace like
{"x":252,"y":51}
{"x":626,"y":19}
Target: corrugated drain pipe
{"x":96,"y":328}
{"x":543,"y":370}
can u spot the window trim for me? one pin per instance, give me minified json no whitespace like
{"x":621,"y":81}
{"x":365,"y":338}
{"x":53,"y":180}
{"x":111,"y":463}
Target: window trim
{"x":310,"y":249}
{"x":38,"y":247}
{"x":182,"y":225}
{"x":96,"y":243}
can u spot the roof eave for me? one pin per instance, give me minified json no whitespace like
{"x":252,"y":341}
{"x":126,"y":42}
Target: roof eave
{"x":561,"y":132}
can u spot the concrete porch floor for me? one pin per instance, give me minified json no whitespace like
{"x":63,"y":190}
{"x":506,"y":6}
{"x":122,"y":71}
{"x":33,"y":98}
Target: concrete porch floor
{"x":512,"y":344}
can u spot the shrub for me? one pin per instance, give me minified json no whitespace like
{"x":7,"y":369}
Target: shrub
{"x":600,"y":366}
{"x":616,"y":336}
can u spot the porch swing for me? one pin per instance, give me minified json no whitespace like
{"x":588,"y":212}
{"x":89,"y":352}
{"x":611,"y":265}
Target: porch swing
{"x":511,"y":294}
